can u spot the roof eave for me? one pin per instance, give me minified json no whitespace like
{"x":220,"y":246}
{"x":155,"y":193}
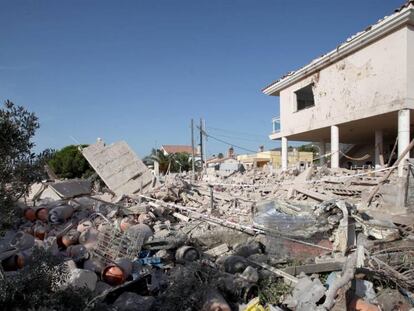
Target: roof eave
{"x":362,"y":40}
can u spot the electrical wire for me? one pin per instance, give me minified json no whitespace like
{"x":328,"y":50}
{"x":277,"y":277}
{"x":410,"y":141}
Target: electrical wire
{"x":234,"y":132}
{"x":240,"y":138}
{"x":228,"y":143}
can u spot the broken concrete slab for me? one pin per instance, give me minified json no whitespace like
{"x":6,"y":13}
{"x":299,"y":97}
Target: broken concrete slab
{"x":120,"y":168}
{"x":71,"y":188}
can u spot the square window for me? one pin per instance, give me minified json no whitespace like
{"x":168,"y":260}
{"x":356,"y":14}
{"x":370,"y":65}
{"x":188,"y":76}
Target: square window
{"x":305,"y":98}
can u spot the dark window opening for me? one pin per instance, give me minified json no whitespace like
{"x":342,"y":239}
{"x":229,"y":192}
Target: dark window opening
{"x":304,"y":98}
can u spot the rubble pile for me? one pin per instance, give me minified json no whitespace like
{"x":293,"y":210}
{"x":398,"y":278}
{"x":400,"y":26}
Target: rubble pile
{"x":311,"y":240}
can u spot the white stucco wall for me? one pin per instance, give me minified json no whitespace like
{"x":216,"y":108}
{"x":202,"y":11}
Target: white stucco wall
{"x":410,"y":67}
{"x":371,"y":81}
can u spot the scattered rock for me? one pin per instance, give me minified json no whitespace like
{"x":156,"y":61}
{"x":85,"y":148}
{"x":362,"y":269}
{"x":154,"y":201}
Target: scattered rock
{"x":81,"y":277}
{"x":128,"y":301}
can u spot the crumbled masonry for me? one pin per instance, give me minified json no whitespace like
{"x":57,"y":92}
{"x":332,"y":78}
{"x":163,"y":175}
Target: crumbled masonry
{"x":292,"y":240}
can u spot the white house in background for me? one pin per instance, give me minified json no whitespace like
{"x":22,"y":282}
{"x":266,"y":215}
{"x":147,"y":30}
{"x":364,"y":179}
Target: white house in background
{"x":360,"y":94}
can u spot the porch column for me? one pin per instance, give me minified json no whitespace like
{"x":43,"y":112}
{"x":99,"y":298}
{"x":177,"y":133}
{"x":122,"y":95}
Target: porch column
{"x":379,"y":156}
{"x":284,"y":154}
{"x":322,"y":151}
{"x":334,"y":146}
{"x":156,"y":168}
{"x":403,"y":136}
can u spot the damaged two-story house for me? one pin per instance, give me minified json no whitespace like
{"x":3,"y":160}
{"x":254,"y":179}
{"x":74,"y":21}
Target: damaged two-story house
{"x":359,"y":95}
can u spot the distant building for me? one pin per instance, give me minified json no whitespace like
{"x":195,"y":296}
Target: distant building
{"x":225,"y":165}
{"x":274,"y":158}
{"x":216,"y":160}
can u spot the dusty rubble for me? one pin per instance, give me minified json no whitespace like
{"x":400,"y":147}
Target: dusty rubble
{"x":311,"y":240}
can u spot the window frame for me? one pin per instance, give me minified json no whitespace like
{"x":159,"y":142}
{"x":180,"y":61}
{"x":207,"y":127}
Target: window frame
{"x":295,"y":98}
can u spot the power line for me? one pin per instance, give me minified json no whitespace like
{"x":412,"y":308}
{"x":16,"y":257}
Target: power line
{"x":234,"y":132}
{"x":242,"y":138}
{"x":227,"y":143}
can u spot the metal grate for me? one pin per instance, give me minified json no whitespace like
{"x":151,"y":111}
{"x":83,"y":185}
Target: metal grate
{"x":114,"y":244}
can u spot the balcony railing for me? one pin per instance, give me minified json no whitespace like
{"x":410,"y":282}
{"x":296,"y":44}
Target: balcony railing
{"x":276,"y":124}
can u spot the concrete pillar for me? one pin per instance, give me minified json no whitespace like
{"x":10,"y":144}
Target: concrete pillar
{"x":322,"y":151}
{"x":379,"y":156}
{"x":296,"y":155}
{"x":403,"y":136}
{"x":284,"y":153}
{"x":334,"y":146}
{"x":156,"y":168}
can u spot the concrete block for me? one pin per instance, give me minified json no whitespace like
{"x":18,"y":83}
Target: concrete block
{"x":80,"y":278}
{"x":218,"y":250}
{"x":394,"y":196}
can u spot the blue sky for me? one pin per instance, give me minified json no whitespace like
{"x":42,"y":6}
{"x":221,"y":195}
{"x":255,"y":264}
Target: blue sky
{"x":140,"y":70}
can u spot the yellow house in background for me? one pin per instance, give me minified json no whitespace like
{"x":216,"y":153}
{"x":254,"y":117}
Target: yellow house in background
{"x":274,"y":157}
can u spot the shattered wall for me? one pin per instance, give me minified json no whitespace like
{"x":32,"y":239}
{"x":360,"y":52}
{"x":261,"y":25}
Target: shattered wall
{"x":369,"y":82}
{"x":119,"y":167}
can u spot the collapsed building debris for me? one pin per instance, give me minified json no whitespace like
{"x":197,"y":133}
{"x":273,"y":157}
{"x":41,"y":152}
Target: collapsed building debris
{"x":178,"y":246}
{"x":295,"y":238}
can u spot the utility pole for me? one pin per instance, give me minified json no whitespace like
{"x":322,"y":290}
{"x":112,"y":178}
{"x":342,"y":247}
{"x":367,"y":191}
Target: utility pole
{"x":205,"y":143}
{"x":201,"y":143}
{"x":193,"y":151}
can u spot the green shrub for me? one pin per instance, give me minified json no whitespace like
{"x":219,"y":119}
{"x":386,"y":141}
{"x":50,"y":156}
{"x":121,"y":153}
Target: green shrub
{"x":273,"y":291}
{"x":18,"y":164}
{"x":37,"y":286}
{"x":70,"y":163}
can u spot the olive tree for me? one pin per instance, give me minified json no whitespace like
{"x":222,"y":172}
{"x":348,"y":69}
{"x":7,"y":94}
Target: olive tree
{"x":19,"y":166}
